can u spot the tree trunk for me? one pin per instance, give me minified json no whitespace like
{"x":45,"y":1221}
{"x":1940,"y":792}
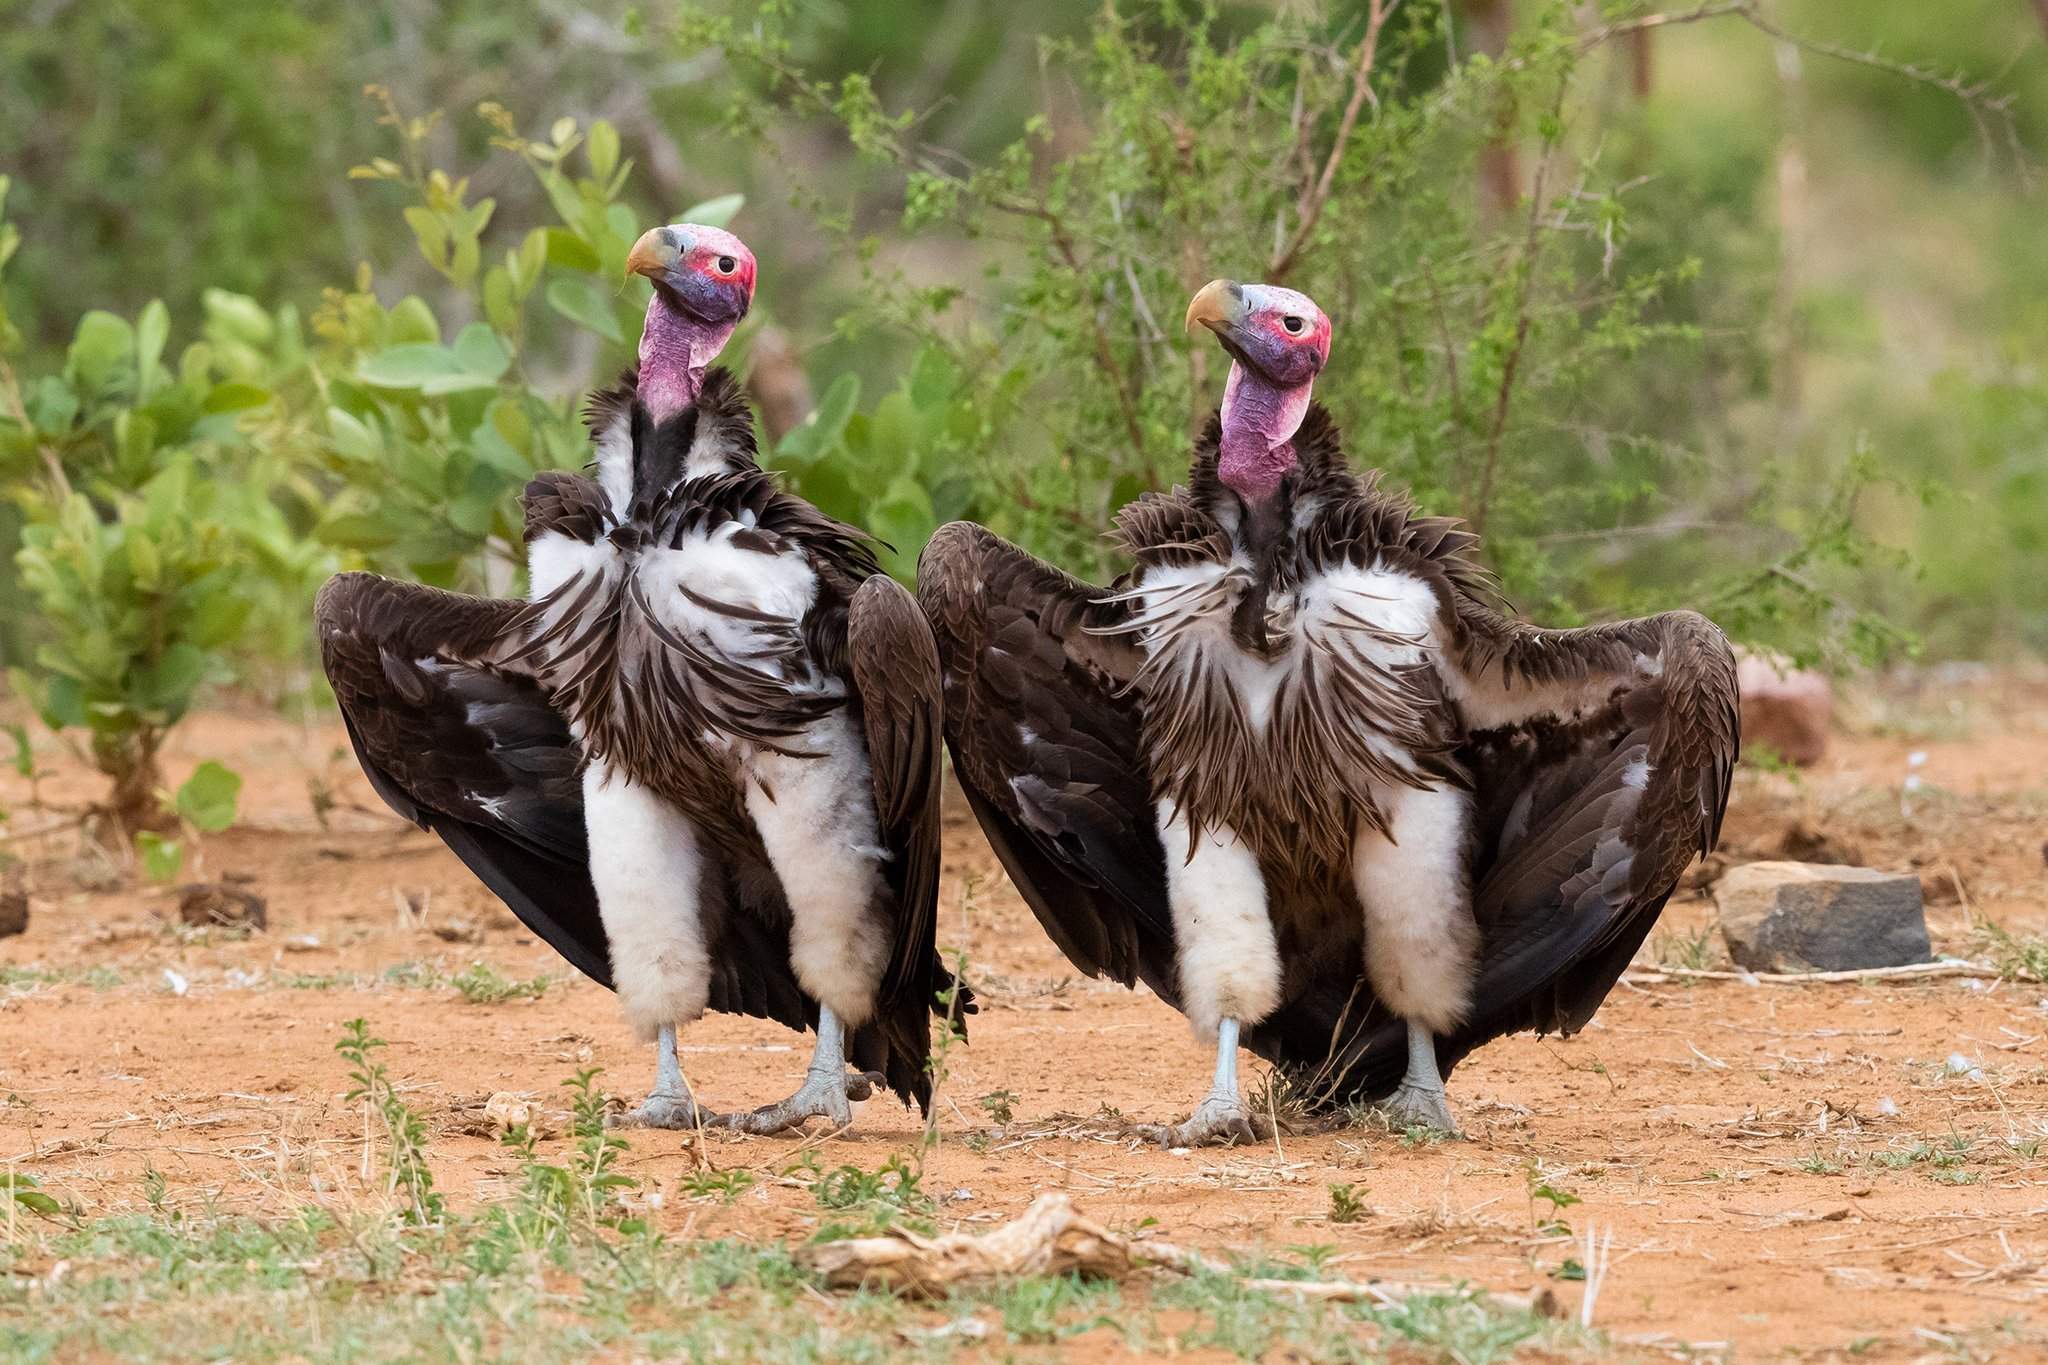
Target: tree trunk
{"x":779,"y":384}
{"x":1487,"y":24}
{"x":135,"y":802}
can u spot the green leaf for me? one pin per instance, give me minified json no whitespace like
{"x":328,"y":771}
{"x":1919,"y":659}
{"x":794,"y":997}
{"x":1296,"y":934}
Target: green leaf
{"x":234,"y":397}
{"x":818,"y":432}
{"x":583,"y":303}
{"x":356,"y":531}
{"x":24,"y":760}
{"x":429,"y":368}
{"x":102,"y":344}
{"x":161,"y":857}
{"x":932,"y":377}
{"x":27,"y":1192}
{"x":715,"y":212}
{"x":409,"y":366}
{"x":175,"y":678}
{"x":208,"y":797}
{"x":412,"y":320}
{"x":568,"y":251}
{"x":351,"y":438}
{"x":152,"y":331}
{"x":603,"y":150}
{"x":237,"y":317}
{"x":479,"y":352}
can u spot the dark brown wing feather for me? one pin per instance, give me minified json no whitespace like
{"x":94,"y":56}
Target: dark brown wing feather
{"x":1604,"y":772}
{"x":463,"y":743}
{"x":894,"y":667}
{"x":1047,"y":742}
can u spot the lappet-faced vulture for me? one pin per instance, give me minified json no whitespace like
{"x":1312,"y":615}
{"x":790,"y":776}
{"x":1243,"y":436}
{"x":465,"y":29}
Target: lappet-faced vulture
{"x":1301,"y":774}
{"x":702,"y":759}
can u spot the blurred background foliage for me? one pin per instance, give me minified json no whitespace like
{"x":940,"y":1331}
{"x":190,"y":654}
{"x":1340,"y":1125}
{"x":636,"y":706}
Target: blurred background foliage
{"x":1732,"y":305}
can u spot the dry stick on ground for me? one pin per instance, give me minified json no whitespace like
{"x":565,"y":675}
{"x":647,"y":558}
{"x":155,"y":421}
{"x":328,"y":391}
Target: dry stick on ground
{"x":1052,"y":1238}
{"x":1912,"y":971}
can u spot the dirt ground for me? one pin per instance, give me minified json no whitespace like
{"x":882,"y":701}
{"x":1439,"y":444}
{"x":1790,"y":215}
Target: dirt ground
{"x":1805,"y":1170}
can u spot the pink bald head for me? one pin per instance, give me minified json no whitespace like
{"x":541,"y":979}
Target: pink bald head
{"x":1278,"y":341}
{"x":703,"y":283}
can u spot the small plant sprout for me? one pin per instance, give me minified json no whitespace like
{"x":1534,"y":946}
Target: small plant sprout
{"x":403,"y":1131}
{"x":1347,"y":1204}
{"x":999,"y":1106}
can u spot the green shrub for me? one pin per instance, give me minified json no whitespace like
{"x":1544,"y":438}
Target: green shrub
{"x":144,"y":509}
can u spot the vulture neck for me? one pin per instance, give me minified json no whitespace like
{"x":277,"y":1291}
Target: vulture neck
{"x":675,"y":351}
{"x":1259,"y":422}
{"x":1254,"y":458}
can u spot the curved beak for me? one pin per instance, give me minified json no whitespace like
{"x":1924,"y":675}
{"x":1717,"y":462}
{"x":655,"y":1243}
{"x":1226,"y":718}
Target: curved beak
{"x":1219,"y":304}
{"x":655,"y":254}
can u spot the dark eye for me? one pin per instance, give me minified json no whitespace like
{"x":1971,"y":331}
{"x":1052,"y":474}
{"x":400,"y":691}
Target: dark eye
{"x":726,"y":264}
{"x":1293,"y":325}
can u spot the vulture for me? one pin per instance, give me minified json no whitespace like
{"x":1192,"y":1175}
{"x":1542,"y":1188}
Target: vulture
{"x":702,"y":759}
{"x":1300,"y":772}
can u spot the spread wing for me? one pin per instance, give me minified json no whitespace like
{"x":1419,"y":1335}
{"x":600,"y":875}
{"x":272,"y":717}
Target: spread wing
{"x":459,"y":738}
{"x":1045,"y":737}
{"x":1601,"y":760}
{"x":894,"y":666}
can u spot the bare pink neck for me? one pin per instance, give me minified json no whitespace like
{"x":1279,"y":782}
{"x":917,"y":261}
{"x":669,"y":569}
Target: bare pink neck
{"x":1259,"y":422}
{"x":675,"y":351}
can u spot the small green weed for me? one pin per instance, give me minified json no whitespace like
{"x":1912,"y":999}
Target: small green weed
{"x":479,"y":984}
{"x":404,"y":1131}
{"x":1347,"y":1204}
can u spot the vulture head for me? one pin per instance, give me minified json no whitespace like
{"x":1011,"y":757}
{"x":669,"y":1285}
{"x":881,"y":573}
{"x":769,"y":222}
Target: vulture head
{"x":703,"y":281}
{"x":1278,"y":341}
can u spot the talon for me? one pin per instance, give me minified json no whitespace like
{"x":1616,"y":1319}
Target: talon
{"x":1414,"y":1106}
{"x":1219,"y":1121}
{"x":821,"y":1096}
{"x":663,"y":1111}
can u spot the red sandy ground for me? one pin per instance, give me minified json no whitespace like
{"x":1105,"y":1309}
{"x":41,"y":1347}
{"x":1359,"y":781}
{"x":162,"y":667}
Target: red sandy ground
{"x":1723,"y":1133}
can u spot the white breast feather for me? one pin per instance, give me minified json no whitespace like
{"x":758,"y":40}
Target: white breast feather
{"x":1188,"y":610}
{"x":712,"y":567}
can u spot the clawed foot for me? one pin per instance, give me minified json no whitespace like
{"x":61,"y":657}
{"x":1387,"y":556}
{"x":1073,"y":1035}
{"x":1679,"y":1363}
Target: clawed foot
{"x":663,"y":1110}
{"x":1220,"y":1120}
{"x":1416,"y":1106}
{"x":824,"y":1096}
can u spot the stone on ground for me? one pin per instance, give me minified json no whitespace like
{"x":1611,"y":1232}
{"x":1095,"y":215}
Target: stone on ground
{"x":13,"y":913}
{"x":1784,"y":709}
{"x":1800,"y":917}
{"x":211,"y":905}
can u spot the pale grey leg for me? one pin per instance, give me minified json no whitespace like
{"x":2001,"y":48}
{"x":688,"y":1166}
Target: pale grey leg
{"x":827,"y":1091}
{"x":1419,"y":1101}
{"x":1221,"y":1118}
{"x":670,"y":1104}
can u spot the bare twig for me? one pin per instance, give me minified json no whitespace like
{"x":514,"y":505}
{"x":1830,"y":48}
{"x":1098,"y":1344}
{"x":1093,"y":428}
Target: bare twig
{"x":1478,"y":506}
{"x":1309,"y":208}
{"x":1053,"y":1237}
{"x":1915,"y":971}
{"x":1975,"y":96}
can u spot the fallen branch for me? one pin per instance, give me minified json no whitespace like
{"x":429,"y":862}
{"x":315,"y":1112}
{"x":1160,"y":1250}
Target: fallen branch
{"x":1053,"y":1238}
{"x":1915,"y":971}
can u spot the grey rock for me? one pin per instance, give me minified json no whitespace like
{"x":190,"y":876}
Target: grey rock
{"x":1800,"y":917}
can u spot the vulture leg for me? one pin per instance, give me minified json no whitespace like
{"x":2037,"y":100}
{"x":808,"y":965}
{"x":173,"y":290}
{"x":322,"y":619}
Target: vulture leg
{"x":1229,"y":962}
{"x":1420,"y":1102}
{"x":1421,"y":938}
{"x":827,"y":1092}
{"x":669,"y":1104}
{"x":1221,"y":1118}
